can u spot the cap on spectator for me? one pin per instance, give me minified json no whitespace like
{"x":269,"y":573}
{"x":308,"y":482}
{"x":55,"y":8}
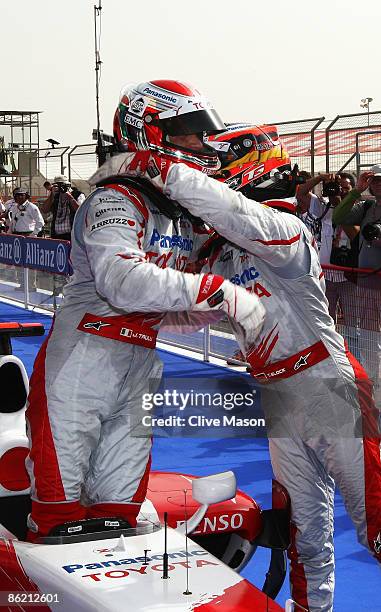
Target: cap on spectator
{"x":376,"y":170}
{"x":20,"y":191}
{"x":61,"y":178}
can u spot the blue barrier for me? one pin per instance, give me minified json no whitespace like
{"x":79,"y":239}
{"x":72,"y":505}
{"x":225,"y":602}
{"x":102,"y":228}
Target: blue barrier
{"x":37,"y":253}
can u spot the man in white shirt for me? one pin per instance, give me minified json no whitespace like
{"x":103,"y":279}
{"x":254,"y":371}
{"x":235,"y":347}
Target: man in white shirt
{"x":25,"y":217}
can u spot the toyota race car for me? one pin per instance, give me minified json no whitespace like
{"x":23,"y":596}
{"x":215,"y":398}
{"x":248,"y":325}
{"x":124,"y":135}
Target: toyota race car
{"x":192,"y":537}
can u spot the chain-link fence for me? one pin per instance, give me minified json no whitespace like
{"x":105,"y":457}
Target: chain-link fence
{"x":355,"y":303}
{"x":300,"y":139}
{"x":83,"y":162}
{"x":51,"y":163}
{"x":341,"y":138}
{"x":348,"y":142}
{"x":368,"y":147}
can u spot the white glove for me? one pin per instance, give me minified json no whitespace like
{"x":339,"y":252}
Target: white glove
{"x":216,"y":293}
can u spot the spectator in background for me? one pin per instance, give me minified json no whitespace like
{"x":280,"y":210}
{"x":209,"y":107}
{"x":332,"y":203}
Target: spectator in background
{"x":48,"y":185}
{"x":8,"y":204}
{"x":62,"y":201}
{"x":367,"y":214}
{"x":11,"y":201}
{"x":337,"y":245}
{"x":25,"y":217}
{"x":3,"y":226}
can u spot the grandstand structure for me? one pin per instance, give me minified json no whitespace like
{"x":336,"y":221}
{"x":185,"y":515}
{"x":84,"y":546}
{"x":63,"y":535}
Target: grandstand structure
{"x":19,"y":146}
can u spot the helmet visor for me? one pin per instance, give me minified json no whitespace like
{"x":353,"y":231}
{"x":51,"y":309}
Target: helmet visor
{"x":206,"y":120}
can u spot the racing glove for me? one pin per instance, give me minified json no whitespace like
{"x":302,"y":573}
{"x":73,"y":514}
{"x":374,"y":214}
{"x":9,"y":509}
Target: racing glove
{"x":215,"y":293}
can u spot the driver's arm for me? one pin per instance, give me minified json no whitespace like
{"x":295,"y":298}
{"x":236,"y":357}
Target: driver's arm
{"x":348,"y":212}
{"x":253,"y":226}
{"x":46,"y":206}
{"x":303,"y":194}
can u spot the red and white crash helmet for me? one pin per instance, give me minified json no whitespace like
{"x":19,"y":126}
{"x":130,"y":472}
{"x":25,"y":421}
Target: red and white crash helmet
{"x":150,"y":113}
{"x":254,"y":161}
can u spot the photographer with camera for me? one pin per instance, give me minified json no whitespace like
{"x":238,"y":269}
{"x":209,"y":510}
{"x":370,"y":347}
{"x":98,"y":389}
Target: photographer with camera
{"x":367,"y":214}
{"x":337,"y":245}
{"x":62,"y":201}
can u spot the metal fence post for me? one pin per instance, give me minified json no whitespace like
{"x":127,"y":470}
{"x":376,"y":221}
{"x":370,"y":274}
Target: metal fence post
{"x":341,"y":148}
{"x":62,"y":160}
{"x":357,"y":154}
{"x":327,"y":142}
{"x":206,"y":343}
{"x":26,"y":288}
{"x":69,"y":161}
{"x":51,"y":162}
{"x":298,"y":137}
{"x":313,"y":130}
{"x":82,"y":151}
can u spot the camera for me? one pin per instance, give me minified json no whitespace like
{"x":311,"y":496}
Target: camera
{"x":343,"y":257}
{"x":371,"y":231}
{"x":62,"y":187}
{"x":331,"y":189}
{"x":286,"y":181}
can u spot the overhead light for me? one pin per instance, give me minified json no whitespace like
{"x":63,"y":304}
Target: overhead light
{"x":52,"y":142}
{"x":365,"y":102}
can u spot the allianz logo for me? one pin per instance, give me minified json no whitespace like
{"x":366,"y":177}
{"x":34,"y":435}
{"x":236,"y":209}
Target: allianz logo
{"x":246,"y":276}
{"x":44,"y":257}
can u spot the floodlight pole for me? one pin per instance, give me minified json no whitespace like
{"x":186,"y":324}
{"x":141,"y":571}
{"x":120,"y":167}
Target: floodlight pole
{"x":98,"y":62}
{"x":365,"y":102}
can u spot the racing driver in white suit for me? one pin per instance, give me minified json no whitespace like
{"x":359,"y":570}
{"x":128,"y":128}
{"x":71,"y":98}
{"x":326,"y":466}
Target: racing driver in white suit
{"x":322,"y":423}
{"x":90,"y":454}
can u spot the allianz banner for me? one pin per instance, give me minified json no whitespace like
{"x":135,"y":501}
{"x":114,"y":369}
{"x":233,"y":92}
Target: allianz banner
{"x":37,"y":253}
{"x":11,"y":250}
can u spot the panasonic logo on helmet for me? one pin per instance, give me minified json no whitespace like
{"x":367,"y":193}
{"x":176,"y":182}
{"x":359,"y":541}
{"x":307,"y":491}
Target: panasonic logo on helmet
{"x":161,"y":96}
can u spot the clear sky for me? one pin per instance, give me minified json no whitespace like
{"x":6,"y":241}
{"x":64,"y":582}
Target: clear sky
{"x":258,"y":61}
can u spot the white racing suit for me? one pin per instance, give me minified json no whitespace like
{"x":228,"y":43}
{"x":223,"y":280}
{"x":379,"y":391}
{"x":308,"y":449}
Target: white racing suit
{"x":317,"y":399}
{"x":85,"y":405}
